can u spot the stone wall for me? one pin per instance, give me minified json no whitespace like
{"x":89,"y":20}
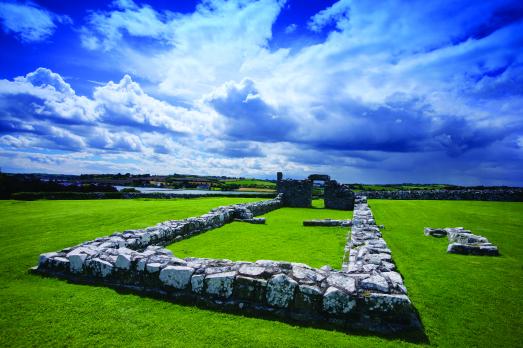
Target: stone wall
{"x":338,"y":196}
{"x":328,"y":223}
{"x":296,"y":193}
{"x":368,"y":295}
{"x":509,"y":195}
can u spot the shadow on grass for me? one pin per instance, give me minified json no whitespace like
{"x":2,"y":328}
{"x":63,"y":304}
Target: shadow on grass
{"x":411,"y":336}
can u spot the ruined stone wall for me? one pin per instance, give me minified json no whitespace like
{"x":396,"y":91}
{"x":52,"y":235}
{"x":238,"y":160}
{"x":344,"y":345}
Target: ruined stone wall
{"x":288,"y":290}
{"x":338,"y":196}
{"x":296,"y":193}
{"x":368,"y":296}
{"x":508,"y":195}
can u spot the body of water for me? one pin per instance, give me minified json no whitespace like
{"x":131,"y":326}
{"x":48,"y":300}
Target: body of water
{"x":184,"y":192}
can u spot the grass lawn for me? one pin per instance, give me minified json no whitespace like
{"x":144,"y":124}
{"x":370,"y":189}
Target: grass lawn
{"x":251,"y":182}
{"x":463,"y":301}
{"x":283,"y":238}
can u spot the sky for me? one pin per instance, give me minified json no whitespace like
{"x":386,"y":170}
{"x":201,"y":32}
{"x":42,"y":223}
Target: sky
{"x":366,"y":91}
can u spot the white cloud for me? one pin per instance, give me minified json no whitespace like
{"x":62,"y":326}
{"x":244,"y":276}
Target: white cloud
{"x":383,"y":85}
{"x":194,"y":52}
{"x":291,"y":28}
{"x":29,"y":22}
{"x":43,"y":111}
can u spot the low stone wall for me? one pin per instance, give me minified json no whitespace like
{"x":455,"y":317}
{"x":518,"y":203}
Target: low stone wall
{"x":367,"y":252}
{"x":328,"y":223}
{"x":508,"y":195}
{"x":368,"y":296}
{"x":287,"y":290}
{"x":462,"y":241}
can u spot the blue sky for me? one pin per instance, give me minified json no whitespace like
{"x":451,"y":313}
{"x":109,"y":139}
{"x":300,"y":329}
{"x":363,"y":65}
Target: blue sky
{"x":388,"y":91}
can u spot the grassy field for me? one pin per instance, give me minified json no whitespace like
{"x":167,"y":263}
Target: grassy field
{"x":251,"y":182}
{"x":282,"y":238}
{"x":463,"y":301}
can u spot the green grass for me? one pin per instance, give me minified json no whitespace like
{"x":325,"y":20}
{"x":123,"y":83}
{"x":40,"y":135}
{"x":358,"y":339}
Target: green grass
{"x":463,"y":301}
{"x":251,"y":183}
{"x":283,"y":238}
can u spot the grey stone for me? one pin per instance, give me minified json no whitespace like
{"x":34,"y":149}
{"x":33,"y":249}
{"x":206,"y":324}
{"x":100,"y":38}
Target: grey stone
{"x":251,"y":270}
{"x":375,"y":282}
{"x":435,"y":232}
{"x":304,"y":273}
{"x":76,"y":260}
{"x":123,"y":261}
{"x":153,"y":267}
{"x":197,"y":282}
{"x":394,"y":277}
{"x":176,"y":276}
{"x":220,"y":284}
{"x":343,"y":281}
{"x":100,"y":267}
{"x":280,"y":291}
{"x":44,"y":258}
{"x":387,"y":303}
{"x":250,"y":289}
{"x":336,"y":301}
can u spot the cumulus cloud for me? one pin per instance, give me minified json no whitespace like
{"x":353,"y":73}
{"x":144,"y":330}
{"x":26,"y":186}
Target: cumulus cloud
{"x":44,"y":94}
{"x":42,"y":110}
{"x":28,"y":21}
{"x":196,"y":51}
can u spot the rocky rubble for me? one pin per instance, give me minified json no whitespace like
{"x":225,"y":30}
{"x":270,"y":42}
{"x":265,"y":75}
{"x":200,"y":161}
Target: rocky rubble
{"x":368,"y":295}
{"x":462,"y":241}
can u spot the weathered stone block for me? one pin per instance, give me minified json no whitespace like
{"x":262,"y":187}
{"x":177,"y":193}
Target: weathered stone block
{"x":336,"y":301}
{"x":176,"y":276}
{"x":220,"y":284}
{"x":375,"y":282}
{"x":197,"y":282}
{"x":123,"y":261}
{"x":280,"y":291}
{"x":76,"y":260}
{"x":388,"y":304}
{"x":45,"y":258}
{"x":100,"y":267}
{"x":250,"y":289}
{"x":342,"y":281}
{"x":250,"y":270}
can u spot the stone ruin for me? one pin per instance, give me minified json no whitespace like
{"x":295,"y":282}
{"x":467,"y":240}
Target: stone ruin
{"x":298,"y":193}
{"x":462,"y":241}
{"x":328,"y":223}
{"x":367,"y":294}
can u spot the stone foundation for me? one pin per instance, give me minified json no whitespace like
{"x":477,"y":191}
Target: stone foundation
{"x":462,"y":241}
{"x":367,"y":295}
